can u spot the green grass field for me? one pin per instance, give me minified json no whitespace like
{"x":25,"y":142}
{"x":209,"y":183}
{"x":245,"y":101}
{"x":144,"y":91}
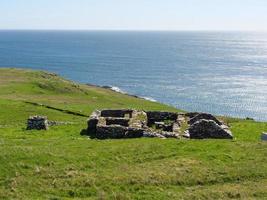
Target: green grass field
{"x":62,"y":164}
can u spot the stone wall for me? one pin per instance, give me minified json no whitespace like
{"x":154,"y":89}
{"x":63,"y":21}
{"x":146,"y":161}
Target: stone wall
{"x":117,"y":121}
{"x":118,"y":132}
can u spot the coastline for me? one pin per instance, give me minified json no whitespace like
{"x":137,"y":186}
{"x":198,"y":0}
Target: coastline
{"x":118,"y":90}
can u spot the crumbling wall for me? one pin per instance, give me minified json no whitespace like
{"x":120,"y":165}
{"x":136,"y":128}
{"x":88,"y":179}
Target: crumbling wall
{"x":118,"y":124}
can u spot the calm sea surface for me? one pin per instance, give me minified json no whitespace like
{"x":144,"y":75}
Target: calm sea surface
{"x":218,"y":72}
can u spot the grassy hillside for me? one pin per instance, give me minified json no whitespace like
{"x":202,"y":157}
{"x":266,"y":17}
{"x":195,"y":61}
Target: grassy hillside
{"x":62,"y":164}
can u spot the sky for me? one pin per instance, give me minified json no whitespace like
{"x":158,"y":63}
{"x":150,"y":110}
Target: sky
{"x":134,"y":14}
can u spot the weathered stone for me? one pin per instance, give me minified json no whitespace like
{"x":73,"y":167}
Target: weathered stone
{"x":117,"y":124}
{"x":205,"y":116}
{"x":264,"y":136}
{"x":159,"y":125}
{"x":134,"y":133}
{"x":153,"y":135}
{"x":116,"y":113}
{"x":96,"y":114}
{"x":117,"y":132}
{"x":208,"y":129}
{"x":92,"y":124}
{"x":37,"y":123}
{"x":181,"y":118}
{"x":170,"y":134}
{"x":156,"y":116}
{"x":192,"y":114}
{"x":176,"y":127}
{"x":110,"y":132}
{"x":186,"y":134}
{"x":168,"y":128}
{"x":117,"y":121}
{"x":138,"y":120}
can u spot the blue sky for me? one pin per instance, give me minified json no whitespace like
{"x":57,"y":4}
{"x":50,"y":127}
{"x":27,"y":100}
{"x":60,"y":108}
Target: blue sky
{"x":134,"y":14}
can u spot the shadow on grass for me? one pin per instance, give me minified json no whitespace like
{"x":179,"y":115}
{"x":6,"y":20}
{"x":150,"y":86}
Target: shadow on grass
{"x":85,"y":132}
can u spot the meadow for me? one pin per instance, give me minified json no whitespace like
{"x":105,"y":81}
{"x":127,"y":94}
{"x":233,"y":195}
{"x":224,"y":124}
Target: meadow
{"x":62,"y":164}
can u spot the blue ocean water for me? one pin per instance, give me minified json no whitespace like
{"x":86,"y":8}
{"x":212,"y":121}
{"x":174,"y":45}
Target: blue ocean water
{"x":222,"y":73}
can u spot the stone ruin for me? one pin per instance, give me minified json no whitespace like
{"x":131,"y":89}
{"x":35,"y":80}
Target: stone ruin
{"x":42,"y":123}
{"x":118,"y":124}
{"x":37,"y":123}
{"x":204,"y":125}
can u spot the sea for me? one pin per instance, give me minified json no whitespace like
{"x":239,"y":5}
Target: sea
{"x":223,"y":73}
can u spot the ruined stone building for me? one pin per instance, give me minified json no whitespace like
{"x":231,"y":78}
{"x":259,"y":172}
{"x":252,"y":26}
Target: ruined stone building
{"x":118,"y":124}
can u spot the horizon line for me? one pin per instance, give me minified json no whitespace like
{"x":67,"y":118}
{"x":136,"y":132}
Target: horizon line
{"x":135,"y":30}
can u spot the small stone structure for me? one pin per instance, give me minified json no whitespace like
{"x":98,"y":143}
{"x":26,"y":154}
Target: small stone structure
{"x":209,"y":129}
{"x":37,"y":123}
{"x":118,"y":124}
{"x":264,"y":136}
{"x":206,"y":126}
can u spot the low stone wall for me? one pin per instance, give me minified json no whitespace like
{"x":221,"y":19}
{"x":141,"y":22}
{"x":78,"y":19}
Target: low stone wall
{"x":117,"y":132}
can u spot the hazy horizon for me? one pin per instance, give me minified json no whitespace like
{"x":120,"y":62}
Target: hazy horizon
{"x":127,"y":15}
{"x":134,"y":30}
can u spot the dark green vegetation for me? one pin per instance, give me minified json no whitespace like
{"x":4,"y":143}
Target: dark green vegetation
{"x":62,"y":164}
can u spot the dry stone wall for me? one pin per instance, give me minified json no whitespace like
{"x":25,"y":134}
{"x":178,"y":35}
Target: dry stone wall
{"x":118,"y":124}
